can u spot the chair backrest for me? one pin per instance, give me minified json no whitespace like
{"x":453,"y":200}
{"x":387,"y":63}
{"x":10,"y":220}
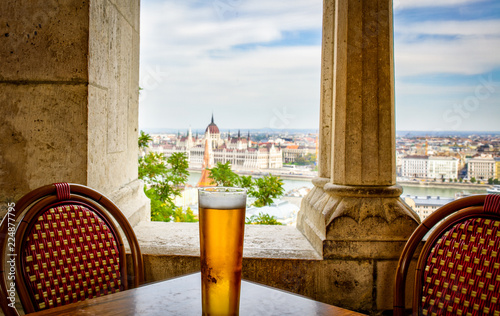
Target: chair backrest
{"x":61,"y":244}
{"x":458,"y":269}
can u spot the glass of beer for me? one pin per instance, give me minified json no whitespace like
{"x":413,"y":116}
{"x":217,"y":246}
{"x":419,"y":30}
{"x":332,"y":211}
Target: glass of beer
{"x":222,"y":224}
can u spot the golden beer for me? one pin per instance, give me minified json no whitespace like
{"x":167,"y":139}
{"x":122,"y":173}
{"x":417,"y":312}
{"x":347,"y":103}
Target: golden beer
{"x":222,"y":223}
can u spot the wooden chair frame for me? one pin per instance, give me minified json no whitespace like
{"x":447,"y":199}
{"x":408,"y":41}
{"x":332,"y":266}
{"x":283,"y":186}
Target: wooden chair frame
{"x":37,"y":201}
{"x":461,"y":209}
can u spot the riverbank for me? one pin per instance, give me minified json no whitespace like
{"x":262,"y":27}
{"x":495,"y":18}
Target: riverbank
{"x":412,"y":188}
{"x":286,"y":175}
{"x":447,"y":185}
{"x":283,"y":175}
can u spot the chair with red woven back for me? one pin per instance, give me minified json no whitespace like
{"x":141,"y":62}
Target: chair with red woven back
{"x":62,"y":243}
{"x":458,"y":268}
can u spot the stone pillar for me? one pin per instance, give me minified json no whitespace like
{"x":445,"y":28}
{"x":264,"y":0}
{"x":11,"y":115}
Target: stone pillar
{"x":69,"y":101}
{"x":354,"y":213}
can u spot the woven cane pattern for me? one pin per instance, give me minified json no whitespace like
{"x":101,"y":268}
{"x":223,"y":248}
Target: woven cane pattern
{"x":70,"y":255}
{"x":462,"y":272}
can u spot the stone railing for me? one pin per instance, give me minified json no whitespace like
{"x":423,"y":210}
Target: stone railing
{"x":278,"y":256}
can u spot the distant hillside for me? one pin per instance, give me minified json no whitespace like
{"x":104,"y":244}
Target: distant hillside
{"x":243,"y":131}
{"x":307,"y":131}
{"x":445,"y":133}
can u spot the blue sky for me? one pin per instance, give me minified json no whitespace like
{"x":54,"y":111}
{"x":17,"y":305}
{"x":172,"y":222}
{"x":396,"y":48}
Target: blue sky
{"x":256,"y":64}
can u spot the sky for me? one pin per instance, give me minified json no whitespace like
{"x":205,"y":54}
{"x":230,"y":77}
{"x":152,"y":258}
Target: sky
{"x":256,"y":64}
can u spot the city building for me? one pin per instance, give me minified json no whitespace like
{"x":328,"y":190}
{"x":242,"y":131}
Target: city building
{"x":414,"y":166}
{"x":442,"y":168}
{"x":425,"y":206}
{"x":292,"y":152}
{"x":482,"y":168}
{"x":429,"y":167}
{"x":497,"y":166}
{"x":238,"y":150}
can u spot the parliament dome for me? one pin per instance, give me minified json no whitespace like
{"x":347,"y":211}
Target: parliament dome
{"x":212,"y":127}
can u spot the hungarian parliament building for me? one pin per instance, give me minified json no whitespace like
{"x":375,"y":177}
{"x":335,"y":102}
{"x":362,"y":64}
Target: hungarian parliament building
{"x":238,"y":150}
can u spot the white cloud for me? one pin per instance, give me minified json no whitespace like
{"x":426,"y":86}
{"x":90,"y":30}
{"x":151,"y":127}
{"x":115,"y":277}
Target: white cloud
{"x":196,"y":45}
{"x":174,"y":23}
{"x":457,"y":28}
{"x":431,"y":89}
{"x":465,"y":56}
{"x":204,"y":48}
{"x":454,"y":47}
{"x":179,"y":34}
{"x":407,"y":4}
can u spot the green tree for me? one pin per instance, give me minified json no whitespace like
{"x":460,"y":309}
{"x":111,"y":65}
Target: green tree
{"x":308,"y":159}
{"x":144,"y":139}
{"x":183,"y":215}
{"x":152,"y":167}
{"x":267,"y":188}
{"x":245,"y":182}
{"x":262,"y":219}
{"x":165,"y":179}
{"x":178,"y":172}
{"x":263,"y":189}
{"x":490,"y":181}
{"x":223,"y":176}
{"x":170,"y":183}
{"x":473,"y":180}
{"x":495,"y":181}
{"x":160,"y":211}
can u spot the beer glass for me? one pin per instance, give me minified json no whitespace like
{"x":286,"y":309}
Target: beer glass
{"x":222,"y":223}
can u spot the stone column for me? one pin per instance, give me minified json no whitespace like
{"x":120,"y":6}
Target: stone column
{"x":69,"y":101}
{"x":354,"y":213}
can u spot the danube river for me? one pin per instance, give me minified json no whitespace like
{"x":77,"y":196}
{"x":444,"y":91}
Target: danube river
{"x":290,"y":184}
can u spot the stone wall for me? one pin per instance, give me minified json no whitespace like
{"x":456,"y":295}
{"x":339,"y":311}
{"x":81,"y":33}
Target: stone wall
{"x":43,"y":104}
{"x":69,"y":101}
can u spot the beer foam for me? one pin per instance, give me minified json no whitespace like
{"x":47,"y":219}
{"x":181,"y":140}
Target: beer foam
{"x":222,"y":198}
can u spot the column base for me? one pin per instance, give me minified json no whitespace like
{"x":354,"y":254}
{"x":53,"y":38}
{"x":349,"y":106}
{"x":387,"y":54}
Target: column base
{"x":363,"y":222}
{"x":362,"y":230}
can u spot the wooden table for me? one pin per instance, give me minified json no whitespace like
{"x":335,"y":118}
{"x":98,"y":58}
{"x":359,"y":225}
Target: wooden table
{"x":182,"y":296}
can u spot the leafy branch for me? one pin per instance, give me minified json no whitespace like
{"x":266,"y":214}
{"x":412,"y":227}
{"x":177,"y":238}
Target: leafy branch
{"x":264,"y":189}
{"x":165,"y":179}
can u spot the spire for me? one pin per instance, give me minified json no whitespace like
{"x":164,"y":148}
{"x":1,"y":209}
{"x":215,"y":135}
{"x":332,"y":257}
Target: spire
{"x":248,"y":135}
{"x":239,"y":134}
{"x":212,"y":118}
{"x":205,"y":180}
{"x":229,"y":135}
